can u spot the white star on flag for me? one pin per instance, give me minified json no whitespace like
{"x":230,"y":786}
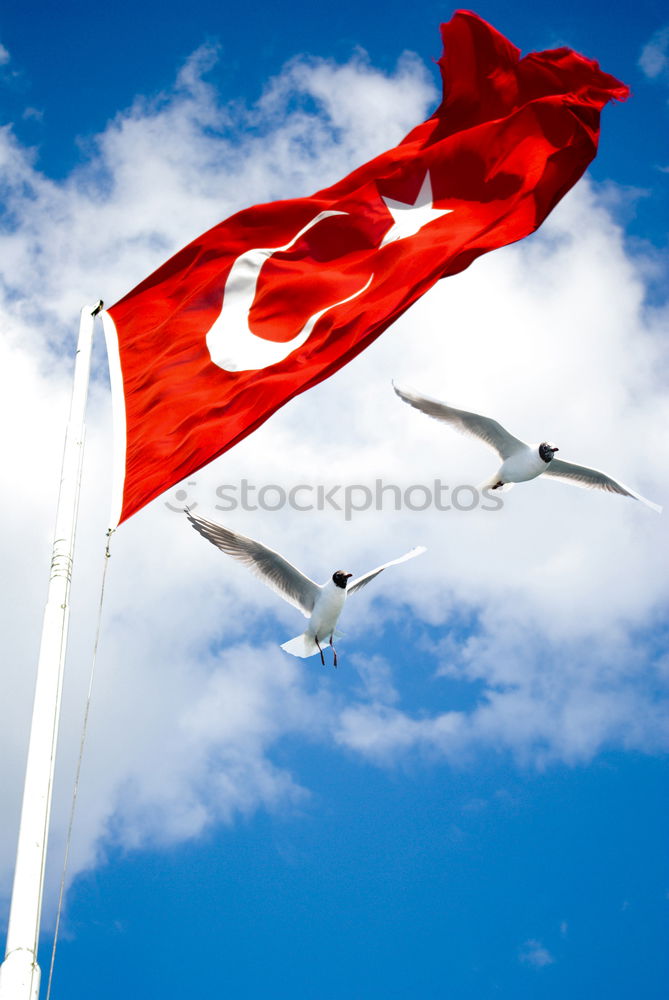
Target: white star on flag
{"x":409,"y":218}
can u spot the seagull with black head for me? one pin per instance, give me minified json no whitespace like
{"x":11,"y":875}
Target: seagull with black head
{"x":322,"y":603}
{"x":520,"y":461}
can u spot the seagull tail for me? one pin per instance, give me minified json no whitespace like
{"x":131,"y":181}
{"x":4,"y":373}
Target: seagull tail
{"x":302,"y":645}
{"x":490,"y":484}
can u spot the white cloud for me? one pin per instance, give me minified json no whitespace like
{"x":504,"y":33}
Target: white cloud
{"x":4,"y":55}
{"x":33,"y":115}
{"x":654,"y":58}
{"x":564,"y":590}
{"x":534,"y":953}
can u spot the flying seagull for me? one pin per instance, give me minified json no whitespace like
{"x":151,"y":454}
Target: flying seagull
{"x":520,"y":461}
{"x":322,"y":604}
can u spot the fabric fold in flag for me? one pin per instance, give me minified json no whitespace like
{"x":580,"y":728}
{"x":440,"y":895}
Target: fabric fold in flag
{"x":280,"y":296}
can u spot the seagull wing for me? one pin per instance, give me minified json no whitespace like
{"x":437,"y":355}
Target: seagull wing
{"x":363,"y":580}
{"x":581,"y":475}
{"x":484,"y":428}
{"x":273,"y":569}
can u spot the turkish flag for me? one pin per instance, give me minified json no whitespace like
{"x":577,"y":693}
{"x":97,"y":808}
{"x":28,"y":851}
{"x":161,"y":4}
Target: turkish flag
{"x":280,"y":296}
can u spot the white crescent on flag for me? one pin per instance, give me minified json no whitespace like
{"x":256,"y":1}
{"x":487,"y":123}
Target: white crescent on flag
{"x":231,"y":343}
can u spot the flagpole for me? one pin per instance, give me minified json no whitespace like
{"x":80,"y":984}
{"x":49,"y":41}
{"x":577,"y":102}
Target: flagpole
{"x":20,"y":973}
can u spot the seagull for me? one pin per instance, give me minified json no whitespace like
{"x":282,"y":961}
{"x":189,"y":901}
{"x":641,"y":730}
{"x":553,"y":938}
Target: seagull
{"x":322,"y":604}
{"x":520,"y":462}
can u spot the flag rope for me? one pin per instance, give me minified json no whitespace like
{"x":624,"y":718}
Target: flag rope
{"x":82,"y":742}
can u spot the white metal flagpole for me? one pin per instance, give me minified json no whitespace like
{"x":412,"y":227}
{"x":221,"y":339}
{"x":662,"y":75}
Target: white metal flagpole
{"x":19,"y":973}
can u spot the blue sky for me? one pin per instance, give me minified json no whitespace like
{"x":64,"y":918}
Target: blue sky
{"x":474,"y":803}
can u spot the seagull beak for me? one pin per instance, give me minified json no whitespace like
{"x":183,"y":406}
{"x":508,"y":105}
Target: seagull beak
{"x":347,"y":575}
{"x":555,"y":449}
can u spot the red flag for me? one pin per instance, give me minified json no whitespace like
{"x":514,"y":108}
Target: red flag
{"x":280,"y":296}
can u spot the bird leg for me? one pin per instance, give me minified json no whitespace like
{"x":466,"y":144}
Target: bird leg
{"x":334,"y":651}
{"x":498,"y":485}
{"x":320,"y":650}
